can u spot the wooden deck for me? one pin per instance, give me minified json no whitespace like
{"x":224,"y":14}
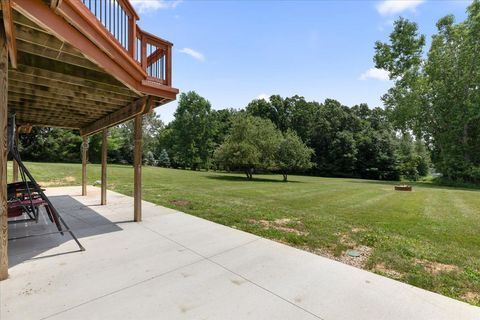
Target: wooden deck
{"x":80,"y":64}
{"x":73,"y":72}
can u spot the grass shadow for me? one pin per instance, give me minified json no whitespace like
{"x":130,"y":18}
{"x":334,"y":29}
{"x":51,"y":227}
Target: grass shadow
{"x":236,"y":178}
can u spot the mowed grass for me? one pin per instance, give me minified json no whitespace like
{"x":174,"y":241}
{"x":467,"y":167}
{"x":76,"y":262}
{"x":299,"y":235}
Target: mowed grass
{"x":429,"y":238}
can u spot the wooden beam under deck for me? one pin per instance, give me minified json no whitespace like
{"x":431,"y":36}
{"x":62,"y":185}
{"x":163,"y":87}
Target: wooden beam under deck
{"x":122,"y":115}
{"x":58,"y":94}
{"x":3,"y":154}
{"x":9,"y":31}
{"x":85,"y":93}
{"x":43,"y":75}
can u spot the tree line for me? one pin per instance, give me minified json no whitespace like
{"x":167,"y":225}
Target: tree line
{"x":284,"y":135}
{"x":338,"y":140}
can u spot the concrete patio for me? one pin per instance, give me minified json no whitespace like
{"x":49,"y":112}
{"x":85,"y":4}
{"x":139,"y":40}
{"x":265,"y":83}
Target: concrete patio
{"x":176,"y":266}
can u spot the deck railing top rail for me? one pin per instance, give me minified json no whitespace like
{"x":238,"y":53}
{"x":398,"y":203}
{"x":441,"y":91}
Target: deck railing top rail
{"x":152,"y":53}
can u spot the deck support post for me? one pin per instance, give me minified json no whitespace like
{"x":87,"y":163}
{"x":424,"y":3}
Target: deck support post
{"x":15,"y":164}
{"x":84,"y":150}
{"x":104,"y":166}
{"x":3,"y":154}
{"x":137,"y":167}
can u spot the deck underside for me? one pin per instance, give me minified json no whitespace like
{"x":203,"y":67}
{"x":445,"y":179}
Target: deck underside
{"x":56,"y":85}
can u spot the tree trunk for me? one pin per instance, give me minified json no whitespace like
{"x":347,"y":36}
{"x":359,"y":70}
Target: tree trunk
{"x":466,"y":153}
{"x":249,"y":173}
{"x":285,"y":177}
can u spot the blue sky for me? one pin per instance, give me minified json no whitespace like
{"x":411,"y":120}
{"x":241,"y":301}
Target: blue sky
{"x":231,"y":52}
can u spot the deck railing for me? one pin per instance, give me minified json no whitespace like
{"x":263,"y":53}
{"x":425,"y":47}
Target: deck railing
{"x":152,"y":53}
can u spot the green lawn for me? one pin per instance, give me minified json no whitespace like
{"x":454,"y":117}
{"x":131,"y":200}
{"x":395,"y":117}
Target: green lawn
{"x":429,"y":238}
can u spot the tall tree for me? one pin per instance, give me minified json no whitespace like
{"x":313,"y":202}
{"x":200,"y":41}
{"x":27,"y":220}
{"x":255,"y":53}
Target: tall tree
{"x":252,"y":144}
{"x":293,"y":155}
{"x":438,"y":97}
{"x":191,"y":132}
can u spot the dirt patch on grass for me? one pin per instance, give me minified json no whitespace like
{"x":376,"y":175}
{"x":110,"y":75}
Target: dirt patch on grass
{"x":58,"y":182}
{"x":181,"y":202}
{"x":364,"y":253}
{"x":69,"y":179}
{"x":357,"y":230}
{"x":285,"y":225}
{"x":359,"y":262}
{"x":436,"y":267}
{"x":381,"y":268}
{"x":344,"y":238}
{"x":471,"y":297}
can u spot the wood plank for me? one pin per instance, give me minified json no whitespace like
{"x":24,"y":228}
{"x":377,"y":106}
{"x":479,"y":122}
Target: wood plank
{"x":9,"y":31}
{"x":53,"y":65}
{"x":84,"y":165}
{"x":19,"y":18}
{"x":117,"y":98}
{"x":38,"y":110}
{"x":43,"y":125}
{"x":3,"y":154}
{"x":43,"y":38}
{"x":49,"y":103}
{"x":46,"y":52}
{"x":137,"y":167}
{"x":119,"y":116}
{"x":103,"y":200}
{"x":83,"y":99}
{"x":44,"y":110}
{"x":86,"y":83}
{"x":23,"y":24}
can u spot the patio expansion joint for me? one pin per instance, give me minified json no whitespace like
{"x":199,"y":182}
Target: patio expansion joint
{"x":124,"y":288}
{"x":201,"y":259}
{"x":209,"y":258}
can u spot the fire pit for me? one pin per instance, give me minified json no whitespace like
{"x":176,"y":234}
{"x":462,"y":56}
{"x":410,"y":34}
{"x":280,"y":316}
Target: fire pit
{"x":403,"y":188}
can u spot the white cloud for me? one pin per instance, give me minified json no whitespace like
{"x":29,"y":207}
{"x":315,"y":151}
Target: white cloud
{"x":263,"y":96}
{"x":392,"y":7}
{"x":194,"y":54}
{"x":149,"y":5}
{"x":374,"y":73}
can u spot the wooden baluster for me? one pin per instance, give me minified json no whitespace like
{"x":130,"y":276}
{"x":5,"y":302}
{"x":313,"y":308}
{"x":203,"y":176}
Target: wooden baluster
{"x":132,"y":37}
{"x":144,"y":52}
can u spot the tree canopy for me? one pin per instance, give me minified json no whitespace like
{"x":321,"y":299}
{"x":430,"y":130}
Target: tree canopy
{"x":437,"y":96}
{"x":251,"y":144}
